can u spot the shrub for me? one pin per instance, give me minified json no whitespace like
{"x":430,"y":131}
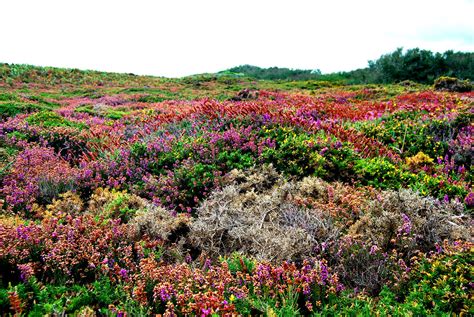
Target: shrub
{"x":442,"y":284}
{"x":379,"y":172}
{"x":113,"y":204}
{"x":78,"y":249}
{"x":101,"y":297}
{"x":452,"y":84}
{"x":415,"y":163}
{"x":12,"y":108}
{"x":50,"y":119}
{"x":38,"y":175}
{"x":424,"y":221}
{"x":68,"y":203}
{"x":158,"y":223}
{"x":259,"y":219}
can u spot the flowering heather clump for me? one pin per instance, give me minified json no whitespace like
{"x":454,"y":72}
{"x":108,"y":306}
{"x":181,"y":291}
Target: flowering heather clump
{"x":215,"y":289}
{"x":130,"y":196}
{"x":37,"y":174}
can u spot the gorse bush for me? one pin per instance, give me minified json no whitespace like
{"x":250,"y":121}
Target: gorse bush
{"x":452,"y":84}
{"x":424,"y":221}
{"x":114,"y":204}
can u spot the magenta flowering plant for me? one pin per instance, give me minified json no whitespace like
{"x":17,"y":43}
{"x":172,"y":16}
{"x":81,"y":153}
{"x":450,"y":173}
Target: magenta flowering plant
{"x":70,"y":249}
{"x":37,"y":174}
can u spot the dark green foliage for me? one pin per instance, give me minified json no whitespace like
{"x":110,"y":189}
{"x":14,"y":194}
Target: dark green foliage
{"x":40,"y":300}
{"x":236,"y":159}
{"x":300,"y":154}
{"x":380,"y":172}
{"x":274,"y":73}
{"x":12,"y":108}
{"x":407,"y":133}
{"x":421,"y":66}
{"x":151,"y":98}
{"x":8,"y":97}
{"x":418,"y":65}
{"x":443,"y":284}
{"x":240,"y":263}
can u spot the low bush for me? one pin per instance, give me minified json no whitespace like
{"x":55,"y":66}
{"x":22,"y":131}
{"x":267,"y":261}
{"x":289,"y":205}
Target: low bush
{"x":113,"y":204}
{"x":51,"y":119}
{"x":423,"y":221}
{"x":452,"y":84}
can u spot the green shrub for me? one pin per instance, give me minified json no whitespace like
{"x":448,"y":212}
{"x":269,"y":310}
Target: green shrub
{"x":39,"y":299}
{"x":380,"y":173}
{"x":408,"y":134}
{"x":12,"y":108}
{"x":51,"y":119}
{"x":235,"y":159}
{"x":441,"y":285}
{"x":240,"y":263}
{"x":300,"y":154}
{"x":8,"y":97}
{"x":104,"y":111}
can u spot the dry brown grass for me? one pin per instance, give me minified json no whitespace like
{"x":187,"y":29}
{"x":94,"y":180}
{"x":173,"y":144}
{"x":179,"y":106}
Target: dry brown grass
{"x":430,"y":220}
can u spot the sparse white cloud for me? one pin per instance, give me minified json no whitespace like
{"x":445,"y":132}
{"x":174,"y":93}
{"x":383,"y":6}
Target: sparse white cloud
{"x":177,"y":38}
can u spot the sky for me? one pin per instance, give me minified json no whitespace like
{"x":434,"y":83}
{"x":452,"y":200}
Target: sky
{"x":176,"y":38}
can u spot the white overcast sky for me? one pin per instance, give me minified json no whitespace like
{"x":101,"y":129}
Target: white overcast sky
{"x":176,"y":38}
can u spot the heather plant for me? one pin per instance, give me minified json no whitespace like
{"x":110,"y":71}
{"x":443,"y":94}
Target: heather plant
{"x":419,"y":161}
{"x":37,"y":175}
{"x":445,"y":83}
{"x":13,"y":108}
{"x":70,"y":249}
{"x":365,"y":267}
{"x":105,"y":110}
{"x":301,"y":154}
{"x":341,"y":201}
{"x":381,"y":173}
{"x":409,"y":132}
{"x":441,"y":283}
{"x":214,"y":289}
{"x":11,"y":220}
{"x":460,"y":151}
{"x":100,"y":296}
{"x":437,"y":285}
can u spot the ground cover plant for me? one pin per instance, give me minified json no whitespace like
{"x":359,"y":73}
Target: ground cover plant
{"x":213,"y":195}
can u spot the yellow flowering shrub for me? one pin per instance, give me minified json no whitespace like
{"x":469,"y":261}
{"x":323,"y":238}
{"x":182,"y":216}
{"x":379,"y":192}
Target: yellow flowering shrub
{"x":418,"y":161}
